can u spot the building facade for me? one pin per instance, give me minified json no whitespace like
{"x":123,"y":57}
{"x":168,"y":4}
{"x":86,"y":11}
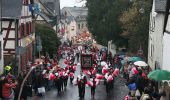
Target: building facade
{"x":159,"y":41}
{"x":18,"y":33}
{"x":49,"y":12}
{"x":73,"y":21}
{"x":1,"y":42}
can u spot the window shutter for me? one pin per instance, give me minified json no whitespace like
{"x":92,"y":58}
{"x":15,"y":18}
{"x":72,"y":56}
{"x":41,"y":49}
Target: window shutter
{"x":25,"y":29}
{"x":22,"y":30}
{"x":27,"y":24}
{"x":30,"y":27}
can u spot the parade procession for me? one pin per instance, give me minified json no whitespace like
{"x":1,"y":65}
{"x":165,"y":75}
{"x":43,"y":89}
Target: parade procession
{"x":86,"y":68}
{"x":84,"y":50}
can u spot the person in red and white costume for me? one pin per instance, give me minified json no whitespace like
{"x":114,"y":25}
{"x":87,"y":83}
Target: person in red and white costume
{"x":71,"y":77}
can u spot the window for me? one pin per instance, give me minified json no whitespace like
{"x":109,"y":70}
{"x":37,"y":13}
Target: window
{"x":27,"y":28}
{"x":72,"y":28}
{"x":152,"y":23}
{"x":30,"y":24}
{"x":151,"y":50}
{"x":22,"y":30}
{"x":78,"y":26}
{"x":82,"y":25}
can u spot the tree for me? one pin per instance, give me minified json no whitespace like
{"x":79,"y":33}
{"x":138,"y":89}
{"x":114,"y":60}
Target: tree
{"x":50,"y":41}
{"x":135,"y":25}
{"x":103,"y":20}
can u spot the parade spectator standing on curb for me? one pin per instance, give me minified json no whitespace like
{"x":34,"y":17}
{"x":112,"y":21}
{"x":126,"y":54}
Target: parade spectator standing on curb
{"x":140,"y":82}
{"x":7,"y":89}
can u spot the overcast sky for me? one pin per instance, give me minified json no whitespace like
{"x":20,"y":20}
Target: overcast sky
{"x":71,"y":3}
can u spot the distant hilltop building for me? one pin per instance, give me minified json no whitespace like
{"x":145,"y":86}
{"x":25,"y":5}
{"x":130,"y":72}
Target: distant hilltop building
{"x":73,"y":21}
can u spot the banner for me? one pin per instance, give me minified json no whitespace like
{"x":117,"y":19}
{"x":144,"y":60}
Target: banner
{"x":86,"y":61}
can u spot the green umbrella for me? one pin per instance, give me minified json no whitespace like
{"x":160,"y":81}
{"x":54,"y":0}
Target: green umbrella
{"x":134,"y":59}
{"x":159,"y":75}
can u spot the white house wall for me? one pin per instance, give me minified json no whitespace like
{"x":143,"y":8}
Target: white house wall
{"x":25,"y":11}
{"x":25,"y":20}
{"x":158,"y":44}
{"x":2,"y":57}
{"x":39,"y":18}
{"x":155,"y":38}
{"x":166,"y":48}
{"x":9,"y":44}
{"x":72,"y":32}
{"x":166,"y":52}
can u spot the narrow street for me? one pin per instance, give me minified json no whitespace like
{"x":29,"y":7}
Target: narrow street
{"x":71,"y":93}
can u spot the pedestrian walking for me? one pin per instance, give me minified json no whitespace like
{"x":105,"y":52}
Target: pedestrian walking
{"x":108,"y":83}
{"x":93,"y":87}
{"x":81,"y":80}
{"x":58,"y":84}
{"x":65,"y":79}
{"x":71,"y":77}
{"x":140,"y":82}
{"x":46,"y":80}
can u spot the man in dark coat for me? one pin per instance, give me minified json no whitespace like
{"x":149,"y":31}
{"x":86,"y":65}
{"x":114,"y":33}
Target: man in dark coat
{"x":81,"y":80}
{"x":58,"y":84}
{"x":93,"y":87}
{"x":140,"y":82}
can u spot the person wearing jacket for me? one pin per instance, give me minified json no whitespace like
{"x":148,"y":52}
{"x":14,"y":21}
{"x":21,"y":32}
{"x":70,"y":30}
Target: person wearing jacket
{"x":81,"y":80}
{"x":71,"y":77}
{"x":93,"y":87}
{"x":7,"y":92}
{"x":140,"y":82}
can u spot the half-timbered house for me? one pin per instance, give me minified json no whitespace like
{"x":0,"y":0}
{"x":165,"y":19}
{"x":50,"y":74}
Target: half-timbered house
{"x":18,"y":33}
